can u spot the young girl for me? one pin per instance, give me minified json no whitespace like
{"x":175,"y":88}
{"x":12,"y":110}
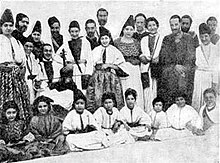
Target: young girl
{"x":109,"y":119}
{"x":47,"y":128}
{"x":80,"y":127}
{"x":138,"y":122}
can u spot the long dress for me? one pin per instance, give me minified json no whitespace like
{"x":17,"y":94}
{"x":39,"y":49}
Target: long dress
{"x":172,"y":53}
{"x":105,"y":80}
{"x":75,"y":125}
{"x":131,"y":51}
{"x":137,"y":119}
{"x":106,"y":121}
{"x":12,"y":80}
{"x":150,"y":46}
{"x":207,"y":62}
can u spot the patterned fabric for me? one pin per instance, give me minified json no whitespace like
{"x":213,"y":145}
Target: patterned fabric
{"x":13,"y":87}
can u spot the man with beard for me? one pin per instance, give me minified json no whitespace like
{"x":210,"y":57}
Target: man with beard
{"x":140,"y":23}
{"x":185,"y":27}
{"x":90,"y":27}
{"x":56,"y":37}
{"x":21,"y":25}
{"x":176,"y":60}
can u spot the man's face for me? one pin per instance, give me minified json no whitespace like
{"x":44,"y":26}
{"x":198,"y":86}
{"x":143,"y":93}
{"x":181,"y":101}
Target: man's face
{"x":90,"y":29}
{"x":175,"y":25}
{"x":140,"y":23}
{"x":23,"y":24}
{"x":212,"y":25}
{"x":102,"y":17}
{"x":55,"y":29}
{"x":47,"y":51}
{"x":185,"y":25}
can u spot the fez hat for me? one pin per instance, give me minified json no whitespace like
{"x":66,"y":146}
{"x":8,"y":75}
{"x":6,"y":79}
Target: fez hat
{"x":52,"y":20}
{"x":7,"y":17}
{"x":74,"y":23}
{"x":37,"y":27}
{"x":104,"y":31}
{"x":204,"y":28}
{"x":79,"y":95}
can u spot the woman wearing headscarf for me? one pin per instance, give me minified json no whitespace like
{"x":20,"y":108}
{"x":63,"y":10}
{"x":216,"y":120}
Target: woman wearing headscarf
{"x":130,"y":48}
{"x":12,"y":68}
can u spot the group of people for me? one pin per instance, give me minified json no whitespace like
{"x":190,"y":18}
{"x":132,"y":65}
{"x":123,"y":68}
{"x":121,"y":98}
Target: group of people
{"x":93,"y":91}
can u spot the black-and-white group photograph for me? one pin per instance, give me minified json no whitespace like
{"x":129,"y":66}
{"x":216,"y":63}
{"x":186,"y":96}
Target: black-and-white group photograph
{"x":109,"y":81}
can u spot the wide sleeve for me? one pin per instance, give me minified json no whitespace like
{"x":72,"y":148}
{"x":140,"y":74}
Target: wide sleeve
{"x":144,"y":47}
{"x":67,"y":123}
{"x":93,"y":122}
{"x":196,"y":119}
{"x":98,"y":117}
{"x":144,"y":118}
{"x":56,"y":127}
{"x":34,"y":125}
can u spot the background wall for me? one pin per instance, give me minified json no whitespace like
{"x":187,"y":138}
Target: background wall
{"x":119,"y":11}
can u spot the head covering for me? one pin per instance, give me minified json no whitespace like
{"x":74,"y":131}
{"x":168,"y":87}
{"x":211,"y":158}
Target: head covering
{"x":204,"y":28}
{"x":130,"y":22}
{"x":41,"y":99}
{"x":7,"y":17}
{"x":37,"y":27}
{"x":52,"y":20}
{"x":79,"y":95}
{"x":7,"y":105}
{"x":73,"y":24}
{"x":104,"y":32}
{"x":19,"y":17}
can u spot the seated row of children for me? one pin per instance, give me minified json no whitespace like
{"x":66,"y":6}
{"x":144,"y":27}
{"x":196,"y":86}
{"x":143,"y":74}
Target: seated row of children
{"x":46,"y":135}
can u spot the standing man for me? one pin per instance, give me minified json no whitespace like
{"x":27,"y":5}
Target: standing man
{"x":176,"y":59}
{"x":21,"y":25}
{"x":90,"y":27}
{"x":140,"y":24}
{"x":185,"y":27}
{"x":56,"y":37}
{"x":213,"y":23}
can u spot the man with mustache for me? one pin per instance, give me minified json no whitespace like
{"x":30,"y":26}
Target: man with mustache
{"x":90,"y":27}
{"x":21,"y":25}
{"x":176,"y":60}
{"x":185,"y":27}
{"x":56,"y":37}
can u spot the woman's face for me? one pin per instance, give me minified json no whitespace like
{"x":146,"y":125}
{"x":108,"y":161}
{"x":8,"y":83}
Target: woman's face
{"x":130,"y":101}
{"x":158,"y":106}
{"x":181,"y":102}
{"x":7,"y":28}
{"x":11,"y":114}
{"x":210,"y":99}
{"x":128,"y":31}
{"x":28,"y":47}
{"x":43,"y":108}
{"x":80,"y":105}
{"x":36,"y":36}
{"x":74,"y":32}
{"x":152,"y":27}
{"x":105,"y":40}
{"x":205,"y":38}
{"x":108,"y":104}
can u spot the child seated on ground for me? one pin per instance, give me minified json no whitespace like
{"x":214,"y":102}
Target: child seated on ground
{"x":158,"y":116}
{"x":109,"y":119}
{"x":80,"y":127}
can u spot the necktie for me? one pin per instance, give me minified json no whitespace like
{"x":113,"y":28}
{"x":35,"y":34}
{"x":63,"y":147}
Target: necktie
{"x":81,"y":121}
{"x":104,"y":56}
{"x":131,"y":116}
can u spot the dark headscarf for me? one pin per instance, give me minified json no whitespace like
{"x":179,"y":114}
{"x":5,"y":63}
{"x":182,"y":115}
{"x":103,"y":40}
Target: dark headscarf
{"x":105,"y":32}
{"x":37,"y":27}
{"x":7,"y":105}
{"x":75,"y":24}
{"x":52,"y":20}
{"x":79,"y":95}
{"x":19,"y":17}
{"x":6,"y":17}
{"x":130,"y":22}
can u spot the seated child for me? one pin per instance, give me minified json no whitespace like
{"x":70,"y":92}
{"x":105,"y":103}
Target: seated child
{"x":80,"y":127}
{"x":138,"y":122}
{"x":109,"y":119}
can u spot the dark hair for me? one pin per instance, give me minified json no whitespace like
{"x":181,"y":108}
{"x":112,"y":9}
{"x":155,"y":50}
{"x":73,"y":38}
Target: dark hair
{"x":132,"y":92}
{"x":140,"y":14}
{"x":188,"y":17}
{"x":210,"y":90}
{"x":39,"y":99}
{"x":179,"y":94}
{"x":46,"y":44}
{"x":211,"y":18}
{"x":175,"y":17}
{"x":152,"y":19}
{"x":90,"y":21}
{"x":6,"y":106}
{"x":109,"y":95}
{"x":19,"y":17}
{"x":158,"y":99}
{"x":101,"y":9}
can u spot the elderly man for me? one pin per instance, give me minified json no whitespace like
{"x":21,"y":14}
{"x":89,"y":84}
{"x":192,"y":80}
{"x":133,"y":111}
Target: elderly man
{"x":21,"y":25}
{"x":90,"y":27}
{"x":212,"y":23}
{"x":140,"y":23}
{"x":176,"y":60}
{"x":56,"y":37}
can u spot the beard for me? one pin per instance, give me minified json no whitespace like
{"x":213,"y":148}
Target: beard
{"x":186,"y":30}
{"x":22,"y":28}
{"x":102,"y":22}
{"x":91,"y":34}
{"x":55,"y":34}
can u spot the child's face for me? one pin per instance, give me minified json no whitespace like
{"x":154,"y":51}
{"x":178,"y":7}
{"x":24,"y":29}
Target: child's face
{"x":11,"y":114}
{"x":130,"y":101}
{"x":210,"y":99}
{"x":108,"y":104}
{"x":80,"y":105}
{"x":158,"y":106}
{"x":180,"y":101}
{"x":43,"y":108}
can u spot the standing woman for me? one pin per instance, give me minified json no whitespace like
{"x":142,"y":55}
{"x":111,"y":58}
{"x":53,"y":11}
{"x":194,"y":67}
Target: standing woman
{"x":130,"y":48}
{"x":150,"y":47}
{"x":12,"y":68}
